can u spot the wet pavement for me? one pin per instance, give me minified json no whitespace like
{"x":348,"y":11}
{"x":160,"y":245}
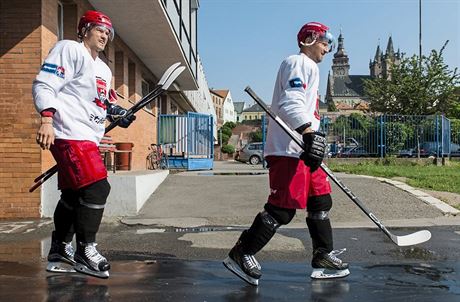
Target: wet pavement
{"x":172,"y":250}
{"x":181,"y":280}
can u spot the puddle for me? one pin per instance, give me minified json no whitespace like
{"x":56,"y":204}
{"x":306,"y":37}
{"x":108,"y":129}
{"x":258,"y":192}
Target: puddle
{"x":203,"y":229}
{"x":415,"y":253}
{"x":230,"y":173}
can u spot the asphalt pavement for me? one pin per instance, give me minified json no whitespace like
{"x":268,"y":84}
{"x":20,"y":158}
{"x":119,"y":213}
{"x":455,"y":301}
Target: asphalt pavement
{"x":172,"y":250}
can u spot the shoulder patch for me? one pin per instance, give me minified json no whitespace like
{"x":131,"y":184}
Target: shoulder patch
{"x":296,"y":82}
{"x":53,"y":69}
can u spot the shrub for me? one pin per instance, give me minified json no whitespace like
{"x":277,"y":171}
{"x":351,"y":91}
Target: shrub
{"x":229,"y":149}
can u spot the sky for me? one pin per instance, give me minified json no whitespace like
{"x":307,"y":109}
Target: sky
{"x":243,"y":42}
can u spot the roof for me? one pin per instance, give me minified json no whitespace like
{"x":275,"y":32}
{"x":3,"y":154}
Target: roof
{"x":239,"y":106}
{"x":222,"y":93}
{"x":352,"y":85}
{"x":254,"y":108}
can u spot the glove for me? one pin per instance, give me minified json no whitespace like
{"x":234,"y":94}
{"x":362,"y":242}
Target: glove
{"x":117,"y":114}
{"x":314,"y":149}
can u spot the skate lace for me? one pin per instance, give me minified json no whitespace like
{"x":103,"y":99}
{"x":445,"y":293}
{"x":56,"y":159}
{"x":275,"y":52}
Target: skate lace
{"x":250,"y":262}
{"x":93,"y":254}
{"x":68,"y":249}
{"x":335,"y":253}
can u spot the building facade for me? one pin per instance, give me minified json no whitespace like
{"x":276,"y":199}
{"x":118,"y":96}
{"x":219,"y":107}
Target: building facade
{"x":345,"y":92}
{"x":150,"y":36}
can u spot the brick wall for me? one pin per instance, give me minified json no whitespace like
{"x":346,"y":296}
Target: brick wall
{"x":20,"y":159}
{"x":27,"y":32}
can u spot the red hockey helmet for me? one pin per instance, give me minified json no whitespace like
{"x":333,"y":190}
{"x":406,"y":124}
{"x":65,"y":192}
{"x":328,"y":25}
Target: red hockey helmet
{"x":319,"y":32}
{"x":94,"y":18}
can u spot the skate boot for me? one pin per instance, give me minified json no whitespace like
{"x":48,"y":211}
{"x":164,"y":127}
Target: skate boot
{"x":60,"y":257}
{"x":90,"y":262}
{"x":243,"y":265}
{"x":327,"y":265}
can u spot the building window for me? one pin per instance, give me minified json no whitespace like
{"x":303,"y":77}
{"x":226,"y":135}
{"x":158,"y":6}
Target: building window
{"x":60,"y":21}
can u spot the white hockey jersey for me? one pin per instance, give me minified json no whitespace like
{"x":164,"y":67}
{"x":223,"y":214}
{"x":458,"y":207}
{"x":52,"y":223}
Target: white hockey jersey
{"x":76,"y":85}
{"x":295,"y":101}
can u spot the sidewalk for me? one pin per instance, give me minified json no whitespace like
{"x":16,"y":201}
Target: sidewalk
{"x":233,"y":193}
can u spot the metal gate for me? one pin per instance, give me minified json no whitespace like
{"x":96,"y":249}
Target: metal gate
{"x":188,"y":140}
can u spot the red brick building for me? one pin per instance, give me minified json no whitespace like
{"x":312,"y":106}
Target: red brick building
{"x":150,"y":36}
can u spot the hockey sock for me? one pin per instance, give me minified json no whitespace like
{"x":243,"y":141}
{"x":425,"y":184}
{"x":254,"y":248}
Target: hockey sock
{"x":90,"y":209}
{"x":64,"y":216}
{"x":321,"y":234}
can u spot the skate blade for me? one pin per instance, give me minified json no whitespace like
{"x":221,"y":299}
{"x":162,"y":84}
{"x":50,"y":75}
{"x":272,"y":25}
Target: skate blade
{"x":59,"y":267}
{"x":323,"y":273}
{"x":234,"y":268}
{"x":84,"y":270}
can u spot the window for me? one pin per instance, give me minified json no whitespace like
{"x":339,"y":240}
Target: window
{"x":60,"y":21}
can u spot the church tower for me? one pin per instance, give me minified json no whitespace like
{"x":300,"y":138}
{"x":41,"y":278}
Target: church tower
{"x":340,"y":65}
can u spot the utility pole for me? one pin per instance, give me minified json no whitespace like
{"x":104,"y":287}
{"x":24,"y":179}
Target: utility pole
{"x":420,"y":32}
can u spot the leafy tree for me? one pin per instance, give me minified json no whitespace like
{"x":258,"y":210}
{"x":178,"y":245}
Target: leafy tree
{"x":256,"y":136}
{"x":230,"y":125}
{"x":414,"y":88}
{"x":226,"y":130}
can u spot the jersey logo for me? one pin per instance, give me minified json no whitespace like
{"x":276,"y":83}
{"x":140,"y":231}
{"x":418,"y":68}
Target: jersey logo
{"x":297,"y":83}
{"x":59,"y":71}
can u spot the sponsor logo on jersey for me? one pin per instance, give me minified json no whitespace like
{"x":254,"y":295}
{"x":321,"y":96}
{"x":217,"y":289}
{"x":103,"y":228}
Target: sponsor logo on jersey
{"x":54,"y":69}
{"x":101,"y":89}
{"x":296,"y":83}
{"x":317,"y":115}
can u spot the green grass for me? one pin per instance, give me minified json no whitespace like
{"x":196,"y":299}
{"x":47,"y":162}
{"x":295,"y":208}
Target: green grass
{"x":430,"y":177}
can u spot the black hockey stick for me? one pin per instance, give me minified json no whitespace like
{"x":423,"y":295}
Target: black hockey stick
{"x":411,"y":239}
{"x":166,"y":80}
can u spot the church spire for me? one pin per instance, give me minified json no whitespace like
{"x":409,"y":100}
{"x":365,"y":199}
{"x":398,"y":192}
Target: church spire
{"x":390,"y":50}
{"x":340,"y":65}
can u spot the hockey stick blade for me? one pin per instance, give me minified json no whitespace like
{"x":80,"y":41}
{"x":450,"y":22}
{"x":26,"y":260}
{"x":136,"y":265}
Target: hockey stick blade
{"x":169,"y":76}
{"x":406,"y":240}
{"x":411,"y":239}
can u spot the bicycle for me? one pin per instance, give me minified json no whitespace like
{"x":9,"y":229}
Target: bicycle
{"x":157,"y":159}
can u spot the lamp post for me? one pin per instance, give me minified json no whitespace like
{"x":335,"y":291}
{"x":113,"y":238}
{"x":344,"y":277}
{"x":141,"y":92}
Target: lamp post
{"x":220,"y":143}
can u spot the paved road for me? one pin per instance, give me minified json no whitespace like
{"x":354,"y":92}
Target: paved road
{"x":172,"y":250}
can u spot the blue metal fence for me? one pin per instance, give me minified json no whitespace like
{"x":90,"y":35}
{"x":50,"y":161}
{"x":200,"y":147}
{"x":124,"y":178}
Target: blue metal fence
{"x":358,"y":135}
{"x":188,"y":139}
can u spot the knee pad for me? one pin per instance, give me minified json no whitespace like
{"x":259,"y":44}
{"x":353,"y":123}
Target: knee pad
{"x":280,"y":215}
{"x":318,"y":207}
{"x":95,"y":195}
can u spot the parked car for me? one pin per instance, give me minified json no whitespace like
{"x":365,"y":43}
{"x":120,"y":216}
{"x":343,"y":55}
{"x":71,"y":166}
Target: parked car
{"x":354,"y":152}
{"x":429,"y":149}
{"x":251,"y":153}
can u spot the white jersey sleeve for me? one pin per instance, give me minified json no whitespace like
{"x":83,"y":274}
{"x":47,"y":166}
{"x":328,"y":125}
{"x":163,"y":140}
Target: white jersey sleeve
{"x":60,"y":67}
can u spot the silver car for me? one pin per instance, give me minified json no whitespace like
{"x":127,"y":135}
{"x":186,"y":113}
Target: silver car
{"x":252,"y":153}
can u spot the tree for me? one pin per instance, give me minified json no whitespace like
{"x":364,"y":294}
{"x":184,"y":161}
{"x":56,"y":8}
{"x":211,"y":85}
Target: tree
{"x":256,"y":136}
{"x":416,"y":89}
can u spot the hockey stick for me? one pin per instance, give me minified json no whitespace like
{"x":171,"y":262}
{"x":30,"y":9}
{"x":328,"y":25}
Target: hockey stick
{"x":166,"y":80}
{"x":411,"y":239}
{"x":169,"y":73}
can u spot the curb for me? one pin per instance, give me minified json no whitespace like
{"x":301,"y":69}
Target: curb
{"x":426,"y":198}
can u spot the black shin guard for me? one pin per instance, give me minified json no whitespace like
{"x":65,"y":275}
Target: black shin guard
{"x":321,"y":234}
{"x":64,"y":216}
{"x":90,"y":209}
{"x":264,"y":227}
{"x":319,"y":225}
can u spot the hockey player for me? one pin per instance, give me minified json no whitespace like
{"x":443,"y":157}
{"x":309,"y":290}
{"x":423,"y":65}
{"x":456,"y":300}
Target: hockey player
{"x":71,"y":93}
{"x":296,"y":182}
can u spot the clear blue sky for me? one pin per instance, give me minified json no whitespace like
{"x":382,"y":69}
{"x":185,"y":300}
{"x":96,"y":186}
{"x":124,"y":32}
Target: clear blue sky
{"x":242,"y":42}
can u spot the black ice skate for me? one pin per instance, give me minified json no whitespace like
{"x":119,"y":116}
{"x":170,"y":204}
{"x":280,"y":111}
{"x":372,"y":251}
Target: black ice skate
{"x":90,"y":262}
{"x":327,"y":265}
{"x":244,"y":266}
{"x":60,"y":257}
